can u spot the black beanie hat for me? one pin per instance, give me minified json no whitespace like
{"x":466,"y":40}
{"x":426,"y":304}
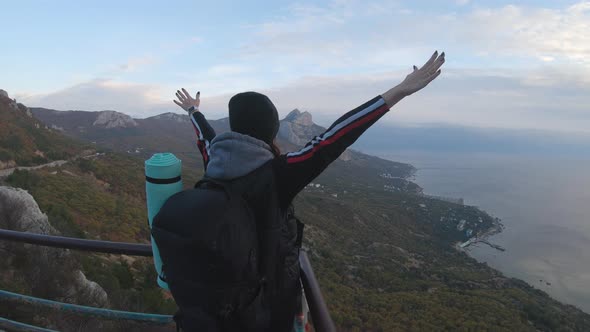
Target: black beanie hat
{"x":253,"y":114}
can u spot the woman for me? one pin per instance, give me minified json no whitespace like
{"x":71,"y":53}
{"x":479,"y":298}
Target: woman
{"x":249,"y":151}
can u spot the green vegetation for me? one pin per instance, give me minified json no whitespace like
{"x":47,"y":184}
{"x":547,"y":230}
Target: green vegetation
{"x":23,"y":179}
{"x":101,"y":198}
{"x":386,"y":263}
{"x":25,"y":140}
{"x":130,"y":287}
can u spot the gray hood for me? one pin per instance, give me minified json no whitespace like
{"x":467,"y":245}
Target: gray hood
{"x":233,"y":155}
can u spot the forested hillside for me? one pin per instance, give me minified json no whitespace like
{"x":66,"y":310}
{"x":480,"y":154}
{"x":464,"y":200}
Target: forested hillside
{"x":25,"y":141}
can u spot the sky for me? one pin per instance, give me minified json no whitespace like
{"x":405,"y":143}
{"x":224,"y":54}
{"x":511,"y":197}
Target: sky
{"x":511,"y":65}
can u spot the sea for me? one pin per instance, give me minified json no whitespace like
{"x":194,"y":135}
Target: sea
{"x":543,"y":202}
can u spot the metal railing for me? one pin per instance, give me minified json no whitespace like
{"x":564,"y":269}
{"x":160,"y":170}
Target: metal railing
{"x":317,"y":306}
{"x":108,"y":247}
{"x":18,"y":326}
{"x":86,"y":310}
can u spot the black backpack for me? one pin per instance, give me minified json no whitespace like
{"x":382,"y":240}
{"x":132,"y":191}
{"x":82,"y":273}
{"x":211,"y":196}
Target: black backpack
{"x":226,"y":253}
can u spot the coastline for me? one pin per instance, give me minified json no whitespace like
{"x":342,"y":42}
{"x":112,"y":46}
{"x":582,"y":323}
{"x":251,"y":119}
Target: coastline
{"x":542,"y":206}
{"x":484,"y":237}
{"x":496,"y":228}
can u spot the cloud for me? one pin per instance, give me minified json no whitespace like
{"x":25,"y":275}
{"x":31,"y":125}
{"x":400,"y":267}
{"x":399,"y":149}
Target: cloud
{"x":306,"y":34}
{"x":228,"y":70}
{"x":130,"y":66}
{"x":531,"y":66}
{"x":179,"y":46}
{"x":479,"y":98}
{"x":134,"y":64}
{"x":138,"y":100}
{"x":353,"y":34}
{"x":546,"y":34}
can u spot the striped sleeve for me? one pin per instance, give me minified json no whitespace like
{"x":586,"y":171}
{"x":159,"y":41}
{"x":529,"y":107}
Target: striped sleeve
{"x":205,"y":134}
{"x":299,"y":168}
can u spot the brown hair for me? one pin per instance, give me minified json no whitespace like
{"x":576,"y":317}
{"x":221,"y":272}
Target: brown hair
{"x":275,"y":149}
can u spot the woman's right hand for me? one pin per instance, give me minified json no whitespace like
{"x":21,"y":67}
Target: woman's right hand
{"x":186,"y":102}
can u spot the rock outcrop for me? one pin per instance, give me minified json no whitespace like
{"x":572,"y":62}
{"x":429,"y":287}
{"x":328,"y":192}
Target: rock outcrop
{"x":112,"y":119}
{"x":85,"y":289}
{"x":49,"y":272}
{"x":4,"y":97}
{"x":300,"y":118}
{"x":298,"y":128}
{"x":180,"y":118}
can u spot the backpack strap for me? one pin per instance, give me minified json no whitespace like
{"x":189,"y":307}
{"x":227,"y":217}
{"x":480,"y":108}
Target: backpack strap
{"x":207,"y":180}
{"x":300,"y":227}
{"x":178,"y":317}
{"x":211,"y":183}
{"x":299,"y":223}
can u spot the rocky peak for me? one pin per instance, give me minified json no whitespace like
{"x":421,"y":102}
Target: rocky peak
{"x":13,"y":104}
{"x":112,"y":119}
{"x":300,"y":118}
{"x":171,"y":117}
{"x":292,"y":115}
{"x":298,"y":127}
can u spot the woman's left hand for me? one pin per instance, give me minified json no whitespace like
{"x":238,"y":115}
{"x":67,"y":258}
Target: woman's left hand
{"x":186,"y":101}
{"x":416,"y":80}
{"x":421,"y":77}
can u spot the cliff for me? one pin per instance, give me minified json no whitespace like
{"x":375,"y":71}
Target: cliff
{"x":49,"y":272}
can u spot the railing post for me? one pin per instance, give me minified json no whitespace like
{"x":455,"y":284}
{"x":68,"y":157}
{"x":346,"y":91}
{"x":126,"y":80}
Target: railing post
{"x":317,"y":306}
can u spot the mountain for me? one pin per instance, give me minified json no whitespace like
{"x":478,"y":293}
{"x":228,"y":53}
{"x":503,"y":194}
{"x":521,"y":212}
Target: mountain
{"x":26,"y":141}
{"x":175,"y":134}
{"x":298,"y":126}
{"x":386,"y":257}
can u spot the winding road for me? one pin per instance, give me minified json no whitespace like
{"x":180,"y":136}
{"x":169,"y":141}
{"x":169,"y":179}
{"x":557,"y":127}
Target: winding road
{"x":7,"y":171}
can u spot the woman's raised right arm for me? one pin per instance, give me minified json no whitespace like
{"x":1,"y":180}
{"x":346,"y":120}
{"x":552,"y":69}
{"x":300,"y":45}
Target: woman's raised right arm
{"x":205,"y":133}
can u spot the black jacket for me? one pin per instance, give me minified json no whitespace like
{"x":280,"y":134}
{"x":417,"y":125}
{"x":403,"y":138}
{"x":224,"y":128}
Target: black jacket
{"x":231,"y":155}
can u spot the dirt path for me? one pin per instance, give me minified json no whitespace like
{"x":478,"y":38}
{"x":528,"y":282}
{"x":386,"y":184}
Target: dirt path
{"x":56,"y":163}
